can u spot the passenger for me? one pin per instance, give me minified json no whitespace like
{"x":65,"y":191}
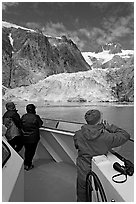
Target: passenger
{"x":12,"y":122}
{"x":31,"y":136}
{"x":93,"y":139}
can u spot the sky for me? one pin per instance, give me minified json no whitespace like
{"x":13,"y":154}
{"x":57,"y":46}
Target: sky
{"x":88,"y":24}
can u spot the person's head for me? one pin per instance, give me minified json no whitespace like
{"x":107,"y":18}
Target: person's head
{"x":10,"y":106}
{"x":92,"y":117}
{"x":30,"y":108}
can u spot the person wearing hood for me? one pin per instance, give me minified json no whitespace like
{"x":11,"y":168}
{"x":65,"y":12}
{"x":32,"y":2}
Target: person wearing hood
{"x":11,"y":120}
{"x":93,"y":139}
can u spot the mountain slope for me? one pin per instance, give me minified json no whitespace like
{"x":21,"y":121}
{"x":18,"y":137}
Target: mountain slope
{"x":43,"y":68}
{"x":30,"y":56}
{"x":119,"y":67}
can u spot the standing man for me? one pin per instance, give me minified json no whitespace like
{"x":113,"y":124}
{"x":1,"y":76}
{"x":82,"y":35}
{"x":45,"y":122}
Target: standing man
{"x":93,"y":139}
{"x":11,"y":120}
{"x":31,"y":122}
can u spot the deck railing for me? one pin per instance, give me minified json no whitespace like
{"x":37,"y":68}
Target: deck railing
{"x":58,"y":121}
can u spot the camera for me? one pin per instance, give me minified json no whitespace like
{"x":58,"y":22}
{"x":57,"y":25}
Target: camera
{"x":119,"y":168}
{"x":127,"y":169}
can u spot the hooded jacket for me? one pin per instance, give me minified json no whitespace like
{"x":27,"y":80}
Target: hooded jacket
{"x":94,"y":140}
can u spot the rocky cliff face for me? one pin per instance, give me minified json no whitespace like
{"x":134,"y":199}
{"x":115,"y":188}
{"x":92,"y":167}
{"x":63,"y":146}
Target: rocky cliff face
{"x":6,"y":59}
{"x":29,"y":56}
{"x":119,"y":69}
{"x":119,"y":62}
{"x":122,"y":81}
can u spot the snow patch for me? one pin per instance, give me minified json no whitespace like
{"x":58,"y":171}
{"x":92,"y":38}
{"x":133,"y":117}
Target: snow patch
{"x":105,"y":56}
{"x":9,"y":25}
{"x":11,"y":39}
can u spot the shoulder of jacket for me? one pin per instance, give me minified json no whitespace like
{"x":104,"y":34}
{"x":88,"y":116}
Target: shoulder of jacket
{"x":24,"y":115}
{"x":15,"y":113}
{"x":4,"y":114}
{"x":38,"y":116}
{"x":77,"y":132}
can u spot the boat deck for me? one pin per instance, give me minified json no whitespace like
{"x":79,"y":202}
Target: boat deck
{"x":58,"y":180}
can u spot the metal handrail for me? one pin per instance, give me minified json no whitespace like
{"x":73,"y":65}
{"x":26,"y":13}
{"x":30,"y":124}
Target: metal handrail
{"x":51,"y":128}
{"x":73,"y":122}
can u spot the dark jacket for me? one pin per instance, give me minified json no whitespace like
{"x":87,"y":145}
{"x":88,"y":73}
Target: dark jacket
{"x":94,"y":140}
{"x":12,"y":114}
{"x":30,"y":127}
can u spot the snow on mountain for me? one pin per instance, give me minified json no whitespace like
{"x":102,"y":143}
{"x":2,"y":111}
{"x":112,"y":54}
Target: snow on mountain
{"x":105,"y":83}
{"x":11,"y":39}
{"x":105,"y":56}
{"x":9,"y":25}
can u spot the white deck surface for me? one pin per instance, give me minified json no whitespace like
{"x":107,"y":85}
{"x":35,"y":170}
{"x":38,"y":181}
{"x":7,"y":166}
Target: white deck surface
{"x":50,"y":181}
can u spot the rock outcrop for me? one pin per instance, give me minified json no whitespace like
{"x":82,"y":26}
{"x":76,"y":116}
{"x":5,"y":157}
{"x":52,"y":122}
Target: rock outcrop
{"x":122,"y":81}
{"x":118,"y":62}
{"x":112,"y":47}
{"x":31,"y":56}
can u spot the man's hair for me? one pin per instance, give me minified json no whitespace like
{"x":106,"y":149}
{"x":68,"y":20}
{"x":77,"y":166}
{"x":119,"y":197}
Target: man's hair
{"x":10,"y":106}
{"x":30,"y":108}
{"x":93,"y":116}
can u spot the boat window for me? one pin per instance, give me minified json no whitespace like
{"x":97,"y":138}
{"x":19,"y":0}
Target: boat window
{"x":5,"y":154}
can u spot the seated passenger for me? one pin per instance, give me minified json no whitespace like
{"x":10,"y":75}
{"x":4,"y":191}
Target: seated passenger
{"x":30,"y":122}
{"x":93,"y":139}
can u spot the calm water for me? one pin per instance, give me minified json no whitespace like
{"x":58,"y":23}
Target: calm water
{"x":122,"y":116}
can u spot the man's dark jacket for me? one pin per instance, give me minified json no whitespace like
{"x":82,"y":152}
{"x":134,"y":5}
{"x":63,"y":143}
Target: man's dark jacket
{"x":14,"y":116}
{"x":94,"y":140}
{"x":30,"y":127}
